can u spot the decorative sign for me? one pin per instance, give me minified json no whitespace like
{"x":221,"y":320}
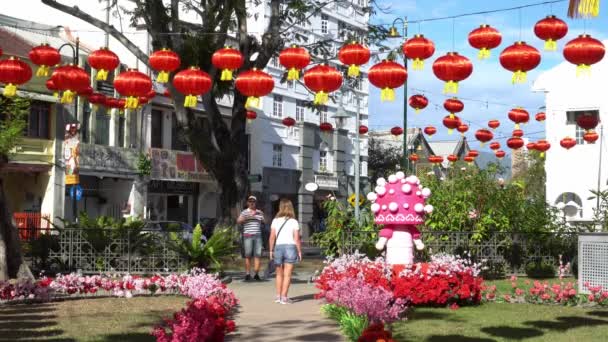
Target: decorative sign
{"x":71,"y":154}
{"x":176,"y":166}
{"x":326,"y":182}
{"x":108,"y":158}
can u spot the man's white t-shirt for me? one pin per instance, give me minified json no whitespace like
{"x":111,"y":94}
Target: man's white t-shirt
{"x":286,"y":236}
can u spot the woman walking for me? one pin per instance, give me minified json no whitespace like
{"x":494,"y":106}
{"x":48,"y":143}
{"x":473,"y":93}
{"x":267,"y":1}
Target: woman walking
{"x":285,"y":248}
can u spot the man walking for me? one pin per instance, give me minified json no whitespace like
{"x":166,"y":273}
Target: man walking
{"x":252,"y":220}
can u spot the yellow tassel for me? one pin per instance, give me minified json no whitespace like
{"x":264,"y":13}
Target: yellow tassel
{"x":450,"y":131}
{"x":252,"y":102}
{"x":131,"y":102}
{"x":452,"y":115}
{"x":484,"y":53}
{"x":387,"y":94}
{"x":482,"y":144}
{"x":321,"y":98}
{"x":67,"y":97}
{"x":462,"y":133}
{"x":588,"y":8}
{"x":10,"y":90}
{"x":418,"y":64}
{"x":94,"y":107}
{"x":56,"y":94}
{"x":293,"y":74}
{"x":226,"y":75}
{"x":542,"y":154}
{"x":163,"y":77}
{"x":102,"y":75}
{"x":353,"y":71}
{"x":550,"y":45}
{"x":516,"y":126}
{"x":43,"y":71}
{"x":450,"y":87}
{"x":583,"y":69}
{"x":519,"y":77}
{"x":416,"y":110}
{"x":190,"y":101}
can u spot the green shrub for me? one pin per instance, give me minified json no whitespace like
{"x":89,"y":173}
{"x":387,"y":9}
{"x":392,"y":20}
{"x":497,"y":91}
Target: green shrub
{"x":208,"y":255}
{"x":351,"y":324}
{"x":494,"y":270}
{"x":540,"y":269}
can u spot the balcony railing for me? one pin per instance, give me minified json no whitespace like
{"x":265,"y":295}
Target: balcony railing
{"x":31,"y":150}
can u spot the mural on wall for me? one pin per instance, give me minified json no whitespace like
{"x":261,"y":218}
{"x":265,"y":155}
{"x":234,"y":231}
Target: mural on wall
{"x":71,"y":154}
{"x":176,"y":166}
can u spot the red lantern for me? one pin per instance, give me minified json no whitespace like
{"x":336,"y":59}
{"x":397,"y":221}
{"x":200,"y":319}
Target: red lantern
{"x":97,"y":99}
{"x":322,"y":79}
{"x":542,"y":146}
{"x":590,"y":137}
{"x":396,"y":131}
{"x":453,"y":106}
{"x":583,"y":52}
{"x":86,"y":91}
{"x":519,"y":116}
{"x":430,"y":131}
{"x":387,"y":75}
{"x":133,"y":84}
{"x":326,"y":127}
{"x":294,"y":59}
{"x":418,"y":102}
{"x":164,"y":61}
{"x":484,"y":135}
{"x":435,"y":159}
{"x":462,"y":128}
{"x":104,"y":61}
{"x":469,"y":159}
{"x":500,"y":154}
{"x":418,"y":48}
{"x":251,"y":115}
{"x":254,"y":84}
{"x":493,"y":124}
{"x":473,"y":153}
{"x":540,"y":117}
{"x":227,"y":60}
{"x":151,"y":94}
{"x":70,"y":79}
{"x":45,"y":57}
{"x":166,"y":93}
{"x":587,"y":121}
{"x":354,"y":55}
{"x":567,"y":143}
{"x":50,"y":85}
{"x":452,"y":68}
{"x":551,"y":29}
{"x":531,"y":146}
{"x":13,"y":72}
{"x":515,"y":143}
{"x":485,"y":38}
{"x":495,"y":145}
{"x":518,"y":133}
{"x":363,"y":129}
{"x":451,"y":123}
{"x":289,"y":121}
{"x":413,"y":158}
{"x":192,"y":82}
{"x":452,"y":158}
{"x":519,"y":58}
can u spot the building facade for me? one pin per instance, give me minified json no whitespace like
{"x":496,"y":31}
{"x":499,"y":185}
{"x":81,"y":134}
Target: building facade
{"x":573,"y":174}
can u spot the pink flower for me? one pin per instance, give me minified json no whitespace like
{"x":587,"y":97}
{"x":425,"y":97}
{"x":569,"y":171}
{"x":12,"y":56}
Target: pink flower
{"x":454,"y":306}
{"x":591,"y":298}
{"x":513,"y":278}
{"x":545,"y":296}
{"x":507,"y":298}
{"x":519,"y":292}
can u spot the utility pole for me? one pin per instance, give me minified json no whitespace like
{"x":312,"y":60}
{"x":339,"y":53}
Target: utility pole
{"x":599,"y":169}
{"x":357,"y":156}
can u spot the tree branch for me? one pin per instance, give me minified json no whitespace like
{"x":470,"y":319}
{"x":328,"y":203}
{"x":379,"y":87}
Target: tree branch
{"x":76,"y":12}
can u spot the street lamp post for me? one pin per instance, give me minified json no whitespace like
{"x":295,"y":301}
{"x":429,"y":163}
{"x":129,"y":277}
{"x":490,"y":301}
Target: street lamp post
{"x":394,"y":33}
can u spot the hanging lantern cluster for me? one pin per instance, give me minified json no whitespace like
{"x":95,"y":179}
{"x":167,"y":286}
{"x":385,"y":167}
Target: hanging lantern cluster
{"x":104,"y":61}
{"x":583,"y":52}
{"x":518,"y":133}
{"x":387,"y":75}
{"x":97,"y":99}
{"x":294,"y":59}
{"x":254,"y":84}
{"x":418,"y":102}
{"x":519,"y":116}
{"x":451,"y":123}
{"x":452,"y":68}
{"x":133,"y":84}
{"x":453,"y":106}
{"x":322,"y":79}
{"x":227,"y":60}
{"x":45,"y":57}
{"x":50,"y":85}
{"x":542,"y":146}
{"x":354,"y":55}
{"x":13,"y":72}
{"x":515,"y":143}
{"x":192,"y":82}
{"x":531,"y":146}
{"x":165,"y":62}
{"x":551,"y":29}
{"x":485,"y":38}
{"x":519,"y":58}
{"x":484,"y":135}
{"x":418,"y":48}
{"x":71,"y":79}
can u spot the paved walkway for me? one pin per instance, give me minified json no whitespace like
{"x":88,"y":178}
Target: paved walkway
{"x":260,"y":319}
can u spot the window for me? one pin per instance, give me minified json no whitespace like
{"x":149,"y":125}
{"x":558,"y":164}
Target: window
{"x":579,"y":135}
{"x":177,"y":135}
{"x":277,"y":155}
{"x":38,"y":120}
{"x":274,"y":62}
{"x":277,"y":107}
{"x":121,"y":130}
{"x":571,"y":117}
{"x":102,"y":127}
{"x":156,"y":140}
{"x":84,"y":125}
{"x":322,"y":161}
{"x":342,"y":29}
{"x":293,"y":132}
{"x":324,"y":28}
{"x":300,"y":110}
{"x":323,"y":115}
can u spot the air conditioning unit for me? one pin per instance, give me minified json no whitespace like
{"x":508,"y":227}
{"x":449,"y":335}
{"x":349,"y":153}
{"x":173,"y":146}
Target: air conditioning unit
{"x":592,"y":260}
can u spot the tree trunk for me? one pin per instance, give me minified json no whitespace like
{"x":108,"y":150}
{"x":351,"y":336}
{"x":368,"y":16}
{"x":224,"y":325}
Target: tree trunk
{"x":11,"y":260}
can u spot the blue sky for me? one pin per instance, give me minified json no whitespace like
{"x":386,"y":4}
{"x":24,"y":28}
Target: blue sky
{"x":489,"y":87}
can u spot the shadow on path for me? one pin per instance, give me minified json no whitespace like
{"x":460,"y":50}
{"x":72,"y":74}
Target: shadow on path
{"x":30,"y":322}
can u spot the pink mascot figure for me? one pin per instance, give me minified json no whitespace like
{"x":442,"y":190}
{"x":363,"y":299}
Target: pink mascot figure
{"x":399,"y":205}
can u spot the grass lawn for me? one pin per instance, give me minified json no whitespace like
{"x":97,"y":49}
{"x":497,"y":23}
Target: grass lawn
{"x":93,"y":319}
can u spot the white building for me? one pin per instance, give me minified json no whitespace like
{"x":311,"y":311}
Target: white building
{"x":572,"y":174}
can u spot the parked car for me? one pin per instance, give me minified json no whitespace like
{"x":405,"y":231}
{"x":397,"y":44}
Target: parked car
{"x":165,"y":227}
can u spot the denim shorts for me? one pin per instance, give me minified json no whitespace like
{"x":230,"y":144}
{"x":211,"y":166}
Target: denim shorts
{"x":285,"y":254}
{"x":253,"y":246}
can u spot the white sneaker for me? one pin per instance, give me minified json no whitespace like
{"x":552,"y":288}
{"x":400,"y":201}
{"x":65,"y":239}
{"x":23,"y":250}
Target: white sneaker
{"x":286,"y":300}
{"x":277,"y":299}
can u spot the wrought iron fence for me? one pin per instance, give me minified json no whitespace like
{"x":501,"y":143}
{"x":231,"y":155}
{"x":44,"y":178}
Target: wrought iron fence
{"x":508,"y":249}
{"x":91,"y":250}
